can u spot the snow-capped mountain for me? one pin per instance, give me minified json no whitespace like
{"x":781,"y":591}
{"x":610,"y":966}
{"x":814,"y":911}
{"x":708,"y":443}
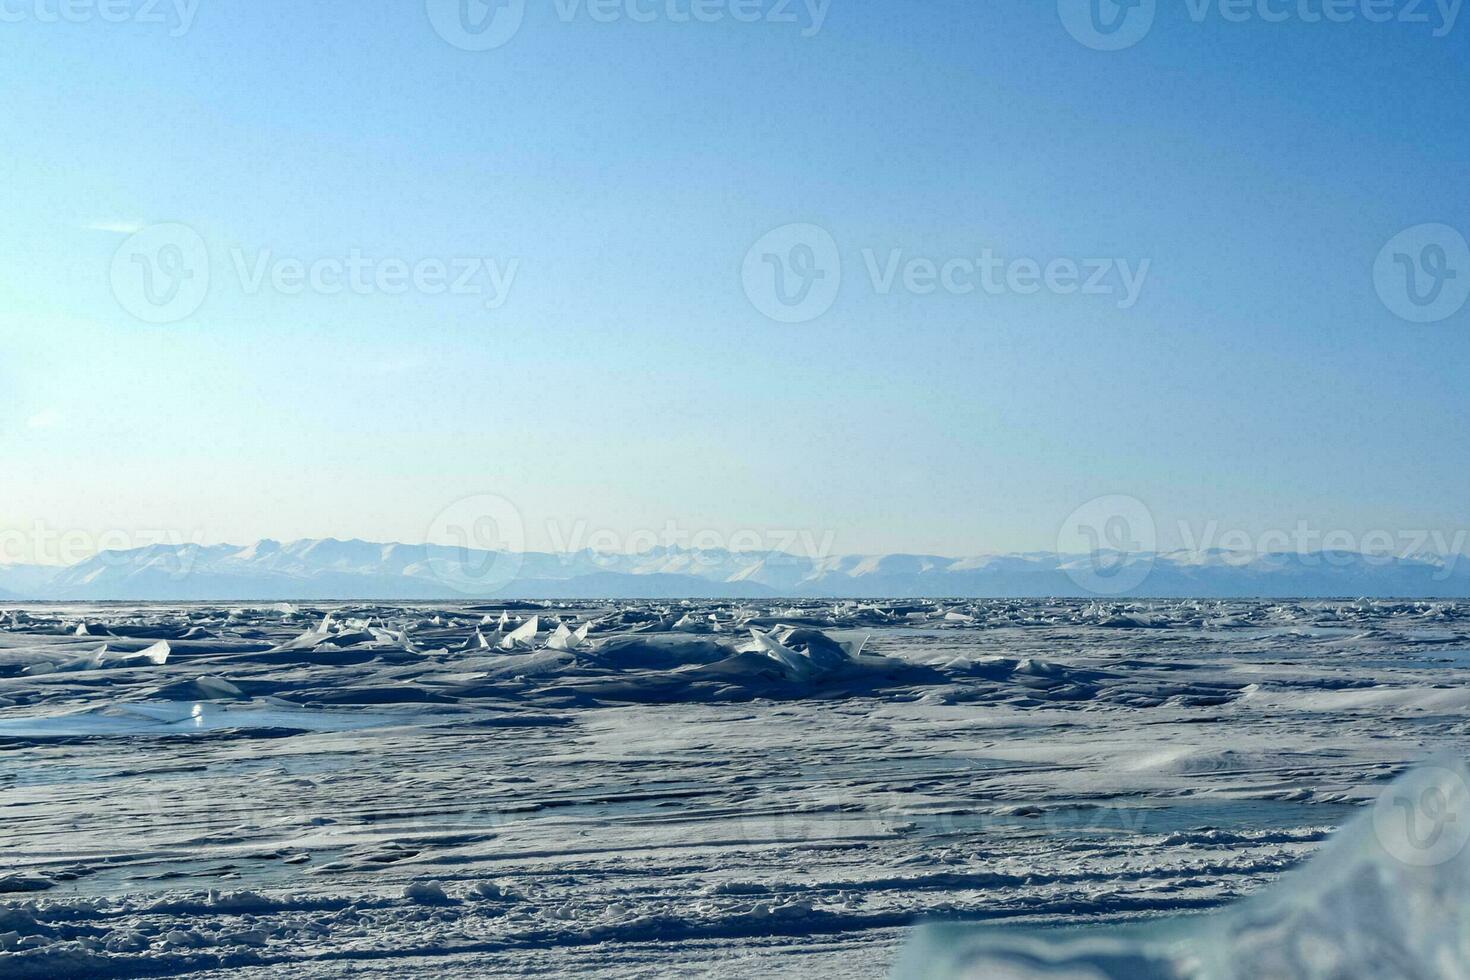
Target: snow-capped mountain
{"x":328,"y":568}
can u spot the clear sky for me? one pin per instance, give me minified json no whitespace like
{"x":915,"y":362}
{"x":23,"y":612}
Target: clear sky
{"x":616,"y":172}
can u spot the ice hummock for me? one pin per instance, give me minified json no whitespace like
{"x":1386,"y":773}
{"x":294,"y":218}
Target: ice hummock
{"x":522,"y":636}
{"x":565,"y":639}
{"x":805,"y":654}
{"x":1388,"y":897}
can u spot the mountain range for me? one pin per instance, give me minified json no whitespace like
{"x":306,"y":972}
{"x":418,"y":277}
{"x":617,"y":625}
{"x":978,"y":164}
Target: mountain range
{"x":327,"y":568}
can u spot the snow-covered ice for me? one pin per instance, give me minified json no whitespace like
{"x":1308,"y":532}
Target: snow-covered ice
{"x":632,"y":788}
{"x":1388,"y":897}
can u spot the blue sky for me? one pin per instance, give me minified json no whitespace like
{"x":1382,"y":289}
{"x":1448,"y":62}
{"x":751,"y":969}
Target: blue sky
{"x":622,"y":170}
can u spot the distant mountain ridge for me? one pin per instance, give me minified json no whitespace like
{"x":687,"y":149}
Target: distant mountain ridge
{"x":327,"y":568}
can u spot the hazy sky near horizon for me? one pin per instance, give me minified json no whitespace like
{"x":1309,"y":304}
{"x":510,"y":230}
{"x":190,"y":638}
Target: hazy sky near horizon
{"x":1236,"y":366}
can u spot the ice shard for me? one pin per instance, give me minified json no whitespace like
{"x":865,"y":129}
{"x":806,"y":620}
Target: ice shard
{"x":565,"y":639}
{"x":522,"y":635}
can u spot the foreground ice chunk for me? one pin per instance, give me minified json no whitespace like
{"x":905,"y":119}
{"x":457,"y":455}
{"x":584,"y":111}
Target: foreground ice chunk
{"x":1389,"y":896}
{"x":216,"y":687}
{"x":565,"y":639}
{"x":798,"y":666}
{"x":426,"y":893}
{"x":522,"y":635}
{"x":309,"y":639}
{"x":805,"y":654}
{"x":156,"y":654}
{"x":105,"y":658}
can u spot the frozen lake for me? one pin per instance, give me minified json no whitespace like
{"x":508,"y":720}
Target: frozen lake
{"x":633,"y":789}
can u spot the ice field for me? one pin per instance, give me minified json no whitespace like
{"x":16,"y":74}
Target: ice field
{"x":640,"y":789}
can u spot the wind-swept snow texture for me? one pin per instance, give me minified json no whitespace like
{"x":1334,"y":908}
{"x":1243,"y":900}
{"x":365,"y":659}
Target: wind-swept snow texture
{"x":747,"y":787}
{"x":1389,"y":897}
